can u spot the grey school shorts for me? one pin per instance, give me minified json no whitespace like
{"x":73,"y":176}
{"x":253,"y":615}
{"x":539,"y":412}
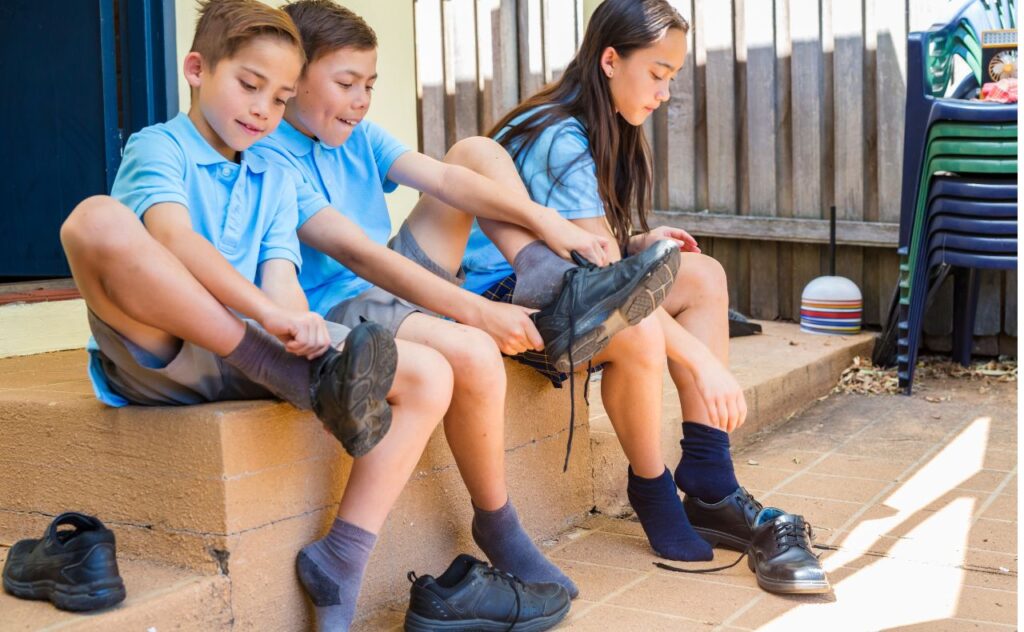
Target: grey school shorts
{"x":383,"y":307}
{"x":194,"y":376}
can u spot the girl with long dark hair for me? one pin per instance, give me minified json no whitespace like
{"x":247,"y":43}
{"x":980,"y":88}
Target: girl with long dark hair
{"x":579,"y":147}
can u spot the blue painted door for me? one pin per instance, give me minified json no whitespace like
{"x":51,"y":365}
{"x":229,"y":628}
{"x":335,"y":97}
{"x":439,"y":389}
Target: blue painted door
{"x":77,"y":77}
{"x":58,"y":124}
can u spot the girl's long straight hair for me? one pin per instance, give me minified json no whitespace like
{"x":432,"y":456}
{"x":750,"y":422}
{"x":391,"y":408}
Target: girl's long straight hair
{"x":619,"y":149}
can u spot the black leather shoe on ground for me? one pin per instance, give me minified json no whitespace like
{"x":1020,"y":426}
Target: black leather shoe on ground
{"x":348,"y":387}
{"x":596,"y":303}
{"x":471,"y":595}
{"x":781,"y":557}
{"x":76,"y":569}
{"x":728,"y":523}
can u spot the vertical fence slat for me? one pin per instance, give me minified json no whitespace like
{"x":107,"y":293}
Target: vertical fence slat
{"x":761,"y":260}
{"x":808,"y":131}
{"x":700,"y":129}
{"x":721,"y":106}
{"x":531,"y":47}
{"x":497,"y":59}
{"x":430,"y":77}
{"x":828,"y":146}
{"x":559,"y":36}
{"x":675,"y":140}
{"x":869,"y":168}
{"x":785,"y":272}
{"x":891,"y":89}
{"x":783,"y":120}
{"x":758,"y":25}
{"x":460,"y":44}
{"x":848,"y":73}
{"x":938,"y":319}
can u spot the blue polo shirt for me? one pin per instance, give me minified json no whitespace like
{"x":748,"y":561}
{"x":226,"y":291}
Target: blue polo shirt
{"x":352,"y":178}
{"x":558,"y":171}
{"x":248,"y":211}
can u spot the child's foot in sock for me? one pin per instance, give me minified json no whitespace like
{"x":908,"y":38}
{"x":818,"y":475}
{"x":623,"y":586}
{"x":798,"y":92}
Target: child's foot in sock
{"x":705,"y":470}
{"x":661,"y":514}
{"x":502,"y":539}
{"x":331,"y":571}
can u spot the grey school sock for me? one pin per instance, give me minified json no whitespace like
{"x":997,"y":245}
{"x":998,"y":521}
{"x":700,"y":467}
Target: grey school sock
{"x":502,"y":539}
{"x":539,"y":275}
{"x":331,"y":571}
{"x":264,"y":360}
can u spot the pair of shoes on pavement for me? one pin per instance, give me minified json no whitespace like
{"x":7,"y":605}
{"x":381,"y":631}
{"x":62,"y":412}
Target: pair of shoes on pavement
{"x":75,"y":569}
{"x":472,"y":596}
{"x":348,"y":387}
{"x":776,"y":543}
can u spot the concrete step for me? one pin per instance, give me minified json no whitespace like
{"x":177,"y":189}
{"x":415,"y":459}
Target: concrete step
{"x":234,"y":489}
{"x":782,"y":371}
{"x":158,"y":597}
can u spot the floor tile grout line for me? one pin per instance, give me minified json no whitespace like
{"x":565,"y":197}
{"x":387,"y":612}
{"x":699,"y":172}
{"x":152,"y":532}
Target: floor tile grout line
{"x":900,"y":479}
{"x":677,"y":617}
{"x":995,"y":493}
{"x":614,"y":593}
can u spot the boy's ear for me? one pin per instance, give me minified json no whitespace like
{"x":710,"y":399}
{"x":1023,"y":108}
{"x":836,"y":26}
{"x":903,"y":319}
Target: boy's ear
{"x":192,"y":66}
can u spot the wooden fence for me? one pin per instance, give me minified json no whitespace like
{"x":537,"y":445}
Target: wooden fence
{"x":783,"y":109}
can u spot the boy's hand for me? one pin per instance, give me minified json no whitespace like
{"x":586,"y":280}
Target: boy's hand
{"x":683,"y":239}
{"x":722,"y":395}
{"x":510,"y":326}
{"x":303,"y":333}
{"x":563,"y":236}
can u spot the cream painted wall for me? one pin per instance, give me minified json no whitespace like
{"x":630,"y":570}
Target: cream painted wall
{"x":394,"y":100}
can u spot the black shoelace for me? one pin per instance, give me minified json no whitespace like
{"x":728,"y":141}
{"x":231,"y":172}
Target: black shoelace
{"x":786,"y":535}
{"x":582,"y":264}
{"x":517,"y":586}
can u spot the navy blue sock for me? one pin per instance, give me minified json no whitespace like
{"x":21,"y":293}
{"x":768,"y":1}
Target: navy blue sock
{"x":705,"y":470}
{"x":661,"y":514}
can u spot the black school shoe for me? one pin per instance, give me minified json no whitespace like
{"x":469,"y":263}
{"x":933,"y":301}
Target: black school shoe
{"x":471,"y":595}
{"x":781,"y":557}
{"x":728,"y":523}
{"x":75,"y":569}
{"x":348,"y":387}
{"x":596,"y":303}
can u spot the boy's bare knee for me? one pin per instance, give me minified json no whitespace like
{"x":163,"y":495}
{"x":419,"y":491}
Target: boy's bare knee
{"x":96,"y":220}
{"x":475,"y":358}
{"x":424,"y":380}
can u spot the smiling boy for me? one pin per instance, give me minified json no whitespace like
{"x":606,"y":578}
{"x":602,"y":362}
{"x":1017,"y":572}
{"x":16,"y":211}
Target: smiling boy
{"x":189,"y":273}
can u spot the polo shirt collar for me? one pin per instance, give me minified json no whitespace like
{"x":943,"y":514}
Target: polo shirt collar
{"x":202,"y":152}
{"x":297,"y":143}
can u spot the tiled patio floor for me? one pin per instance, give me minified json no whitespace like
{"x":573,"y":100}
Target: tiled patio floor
{"x":914,"y":503}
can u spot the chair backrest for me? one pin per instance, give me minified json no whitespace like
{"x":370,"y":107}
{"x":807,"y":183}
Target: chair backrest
{"x":960,"y":36}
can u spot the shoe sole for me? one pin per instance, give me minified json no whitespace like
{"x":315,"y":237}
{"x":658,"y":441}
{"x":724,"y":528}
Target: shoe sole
{"x":367,"y":370}
{"x":724,"y":540}
{"x":803,"y":587}
{"x":641,"y":300}
{"x":93,"y":596}
{"x":793,"y":588}
{"x":416,"y":623}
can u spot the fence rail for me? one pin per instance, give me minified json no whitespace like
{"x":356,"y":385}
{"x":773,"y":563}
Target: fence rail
{"x":783,"y":109}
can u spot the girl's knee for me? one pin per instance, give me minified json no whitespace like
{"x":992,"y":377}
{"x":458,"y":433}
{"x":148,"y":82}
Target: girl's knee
{"x":642,"y":344}
{"x":700,"y":279}
{"x":469,"y":152}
